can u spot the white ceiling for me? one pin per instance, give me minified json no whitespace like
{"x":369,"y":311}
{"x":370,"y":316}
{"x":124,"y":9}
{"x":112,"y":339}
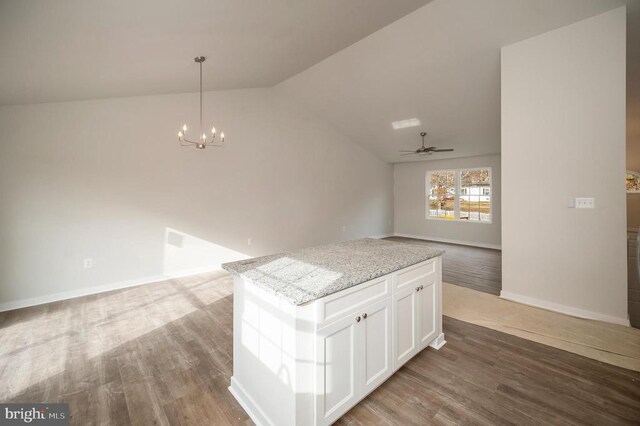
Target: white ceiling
{"x":55,"y":50}
{"x":440,"y":64}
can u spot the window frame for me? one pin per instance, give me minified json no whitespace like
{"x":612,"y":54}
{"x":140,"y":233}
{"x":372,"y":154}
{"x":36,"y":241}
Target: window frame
{"x":458,"y":194}
{"x":456,"y":188}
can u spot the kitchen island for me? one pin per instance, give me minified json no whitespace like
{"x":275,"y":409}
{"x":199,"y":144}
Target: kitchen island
{"x":318,"y":329}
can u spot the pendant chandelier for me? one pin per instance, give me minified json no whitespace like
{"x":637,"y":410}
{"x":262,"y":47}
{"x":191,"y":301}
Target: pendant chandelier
{"x":203,"y":141}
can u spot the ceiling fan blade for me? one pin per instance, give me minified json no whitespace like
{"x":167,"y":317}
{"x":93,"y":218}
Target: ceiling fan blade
{"x":408,"y":153}
{"x":442,"y":150}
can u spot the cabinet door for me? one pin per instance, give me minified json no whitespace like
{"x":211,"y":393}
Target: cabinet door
{"x":377,"y":355}
{"x":427,"y":311}
{"x":405,"y":322}
{"x":337,"y":346}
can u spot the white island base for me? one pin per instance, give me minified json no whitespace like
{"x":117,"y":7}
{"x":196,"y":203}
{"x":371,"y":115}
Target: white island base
{"x":309,"y":364}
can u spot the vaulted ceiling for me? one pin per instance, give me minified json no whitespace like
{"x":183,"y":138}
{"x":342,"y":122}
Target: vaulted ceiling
{"x":359,"y":64}
{"x":440,"y":64}
{"x":54,"y":50}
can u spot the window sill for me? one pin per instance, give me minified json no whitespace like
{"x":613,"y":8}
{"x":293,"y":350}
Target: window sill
{"x":439,"y":219}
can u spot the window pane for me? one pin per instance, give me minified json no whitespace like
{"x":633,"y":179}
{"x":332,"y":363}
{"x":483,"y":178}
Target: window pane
{"x":475,"y":205}
{"x":442,"y":188}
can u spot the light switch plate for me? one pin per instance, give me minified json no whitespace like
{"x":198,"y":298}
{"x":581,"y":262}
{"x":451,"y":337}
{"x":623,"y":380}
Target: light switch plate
{"x":585,"y":203}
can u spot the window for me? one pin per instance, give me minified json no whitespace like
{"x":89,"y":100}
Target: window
{"x":473,"y":202}
{"x":442,"y":194}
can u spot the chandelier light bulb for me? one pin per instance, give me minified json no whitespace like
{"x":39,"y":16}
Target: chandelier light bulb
{"x":184,"y":128}
{"x":222,"y":137}
{"x":179,"y":134}
{"x":213,"y":130}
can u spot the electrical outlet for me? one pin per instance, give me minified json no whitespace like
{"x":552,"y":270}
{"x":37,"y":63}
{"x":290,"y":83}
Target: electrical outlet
{"x":585,"y":203}
{"x":88,"y":263}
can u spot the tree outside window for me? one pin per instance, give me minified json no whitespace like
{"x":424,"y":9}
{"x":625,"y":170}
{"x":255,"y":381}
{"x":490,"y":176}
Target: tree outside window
{"x":442,"y":191}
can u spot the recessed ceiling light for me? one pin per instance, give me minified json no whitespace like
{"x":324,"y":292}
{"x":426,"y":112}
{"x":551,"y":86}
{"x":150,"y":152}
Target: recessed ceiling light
{"x":402,"y":124}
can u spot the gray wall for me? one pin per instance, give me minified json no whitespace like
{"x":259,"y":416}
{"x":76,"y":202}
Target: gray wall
{"x":410,"y":203}
{"x":107,"y":180}
{"x":563,"y":136}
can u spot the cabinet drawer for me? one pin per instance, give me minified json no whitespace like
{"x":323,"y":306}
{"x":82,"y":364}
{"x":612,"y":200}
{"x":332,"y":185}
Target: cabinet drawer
{"x":344,"y":302}
{"x":408,"y":276}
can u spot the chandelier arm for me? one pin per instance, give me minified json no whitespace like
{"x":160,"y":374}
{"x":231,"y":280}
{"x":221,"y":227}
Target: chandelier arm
{"x":188,"y":141}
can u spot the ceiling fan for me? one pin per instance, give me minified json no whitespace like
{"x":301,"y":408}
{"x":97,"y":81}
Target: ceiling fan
{"x":424,"y":150}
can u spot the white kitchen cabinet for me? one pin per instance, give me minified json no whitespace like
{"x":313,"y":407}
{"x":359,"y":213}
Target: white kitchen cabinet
{"x":309,"y":364}
{"x":353,"y":356}
{"x":427,"y":311}
{"x":338,"y":351}
{"x":405,"y":307}
{"x":417,"y":310}
{"x":376,"y":360}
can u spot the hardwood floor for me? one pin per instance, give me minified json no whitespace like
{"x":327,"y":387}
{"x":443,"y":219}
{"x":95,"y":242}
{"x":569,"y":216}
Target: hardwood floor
{"x":472,"y":267}
{"x":161,"y":354}
{"x":482,"y":376}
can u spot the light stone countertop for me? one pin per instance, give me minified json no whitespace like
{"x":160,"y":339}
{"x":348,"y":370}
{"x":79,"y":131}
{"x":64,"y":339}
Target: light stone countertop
{"x":308,"y":274}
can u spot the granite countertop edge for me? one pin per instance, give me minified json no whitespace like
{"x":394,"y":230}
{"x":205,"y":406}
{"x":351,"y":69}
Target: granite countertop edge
{"x":298,"y":292}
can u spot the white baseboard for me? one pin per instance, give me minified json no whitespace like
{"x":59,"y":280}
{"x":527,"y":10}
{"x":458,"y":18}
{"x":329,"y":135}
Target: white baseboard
{"x":446,"y":240}
{"x":563,"y":309}
{"x":438,"y":342}
{"x":72,"y":294}
{"x":249,"y":406}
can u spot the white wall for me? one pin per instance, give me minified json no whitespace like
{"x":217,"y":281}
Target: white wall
{"x":107,"y":180}
{"x":410,"y":203}
{"x":563,"y":136}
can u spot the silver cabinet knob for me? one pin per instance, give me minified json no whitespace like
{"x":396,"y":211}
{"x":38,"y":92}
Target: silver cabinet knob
{"x":421,"y":287}
{"x":357,"y":319}
{"x":364,"y":316}
{"x":417,"y":288}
